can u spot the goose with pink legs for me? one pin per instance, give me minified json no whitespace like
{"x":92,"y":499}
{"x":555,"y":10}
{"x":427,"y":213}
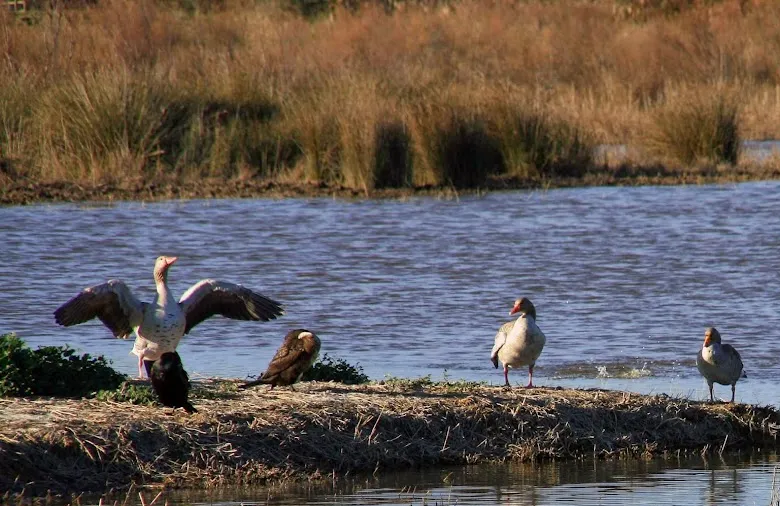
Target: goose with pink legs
{"x":519,"y":343}
{"x":160,"y":325}
{"x":719,"y":363}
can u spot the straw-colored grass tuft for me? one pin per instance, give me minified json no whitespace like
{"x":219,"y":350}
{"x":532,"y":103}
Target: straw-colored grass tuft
{"x":691,"y":128}
{"x":327,"y":430}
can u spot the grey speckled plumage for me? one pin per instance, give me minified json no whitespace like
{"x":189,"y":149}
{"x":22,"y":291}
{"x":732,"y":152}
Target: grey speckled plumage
{"x":719,"y":363}
{"x":160,"y":325}
{"x":171,"y":382}
{"x":519,"y":343}
{"x":294,"y":357}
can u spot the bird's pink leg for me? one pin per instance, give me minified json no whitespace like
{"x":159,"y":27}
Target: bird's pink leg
{"x":141,"y":366}
{"x":506,"y":377}
{"x":530,"y":376}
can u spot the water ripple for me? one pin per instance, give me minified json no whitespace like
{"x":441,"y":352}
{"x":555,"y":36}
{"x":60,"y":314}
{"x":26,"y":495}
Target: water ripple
{"x":621,"y":277}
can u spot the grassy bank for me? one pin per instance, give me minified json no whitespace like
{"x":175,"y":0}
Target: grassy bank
{"x":425,"y":94}
{"x":325,"y":430}
{"x":167,"y":189}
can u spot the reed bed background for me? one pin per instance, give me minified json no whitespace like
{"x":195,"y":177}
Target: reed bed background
{"x":378,"y":94}
{"x":327,"y":430}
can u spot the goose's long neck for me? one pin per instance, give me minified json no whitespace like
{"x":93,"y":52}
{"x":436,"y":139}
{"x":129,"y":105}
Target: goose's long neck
{"x":164,"y":295}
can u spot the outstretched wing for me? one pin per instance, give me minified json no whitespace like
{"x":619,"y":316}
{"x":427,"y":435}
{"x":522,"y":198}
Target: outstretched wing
{"x":112,"y":302}
{"x":501,"y":336}
{"x":210,"y":297}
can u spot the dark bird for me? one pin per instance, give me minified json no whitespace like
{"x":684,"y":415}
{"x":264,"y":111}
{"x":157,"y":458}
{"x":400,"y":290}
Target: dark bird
{"x":160,"y":325}
{"x":171,"y":382}
{"x":293,"y":358}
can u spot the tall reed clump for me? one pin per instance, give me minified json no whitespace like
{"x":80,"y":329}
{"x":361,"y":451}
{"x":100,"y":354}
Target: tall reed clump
{"x":691,"y":127}
{"x":224,"y":134}
{"x":349,"y":134}
{"x":393,"y":154}
{"x":311,"y":118}
{"x":535,"y":145}
{"x":15,"y":107}
{"x":359,"y":113}
{"x":98,"y":126}
{"x":117,"y":125}
{"x":452,"y":145}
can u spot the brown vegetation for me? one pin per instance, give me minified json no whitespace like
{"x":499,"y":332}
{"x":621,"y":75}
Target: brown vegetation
{"x":324,"y":430}
{"x":387,"y":94}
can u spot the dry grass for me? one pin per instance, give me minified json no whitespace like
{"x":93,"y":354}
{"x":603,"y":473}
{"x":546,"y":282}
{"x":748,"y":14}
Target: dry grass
{"x":422,"y":96}
{"x":325,"y":430}
{"x":692,"y":129}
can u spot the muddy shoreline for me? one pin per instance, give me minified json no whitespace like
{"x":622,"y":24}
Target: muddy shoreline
{"x":31,"y":192}
{"x":329,"y":430}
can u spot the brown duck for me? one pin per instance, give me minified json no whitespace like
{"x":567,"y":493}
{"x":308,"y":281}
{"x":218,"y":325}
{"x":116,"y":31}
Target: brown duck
{"x":293,"y":358}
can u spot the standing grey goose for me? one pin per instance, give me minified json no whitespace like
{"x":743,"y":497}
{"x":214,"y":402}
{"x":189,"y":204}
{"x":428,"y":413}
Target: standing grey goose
{"x":294,"y":357}
{"x":171,"y":382}
{"x":520,"y":342}
{"x":160,"y":325}
{"x":719,"y":363}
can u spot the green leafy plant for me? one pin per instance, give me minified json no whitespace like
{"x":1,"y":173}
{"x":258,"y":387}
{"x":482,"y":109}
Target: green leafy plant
{"x":402,"y":384}
{"x":52,"y":370}
{"x":328,"y":369}
{"x":133,"y":393}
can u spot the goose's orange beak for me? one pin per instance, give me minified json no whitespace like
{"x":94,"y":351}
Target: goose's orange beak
{"x":515,"y":309}
{"x":170,"y":260}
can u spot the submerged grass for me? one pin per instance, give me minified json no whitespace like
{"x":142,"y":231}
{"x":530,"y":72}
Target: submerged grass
{"x":326,"y":430}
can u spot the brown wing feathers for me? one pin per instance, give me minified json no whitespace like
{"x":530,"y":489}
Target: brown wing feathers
{"x":95,"y":304}
{"x":291,"y":360}
{"x":231,"y":301}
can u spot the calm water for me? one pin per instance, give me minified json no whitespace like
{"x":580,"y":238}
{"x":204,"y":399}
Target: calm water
{"x":737,"y":481}
{"x":625,"y":280}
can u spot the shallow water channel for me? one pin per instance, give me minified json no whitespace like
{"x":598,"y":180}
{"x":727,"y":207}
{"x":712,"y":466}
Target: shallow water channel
{"x":737,"y":480}
{"x":625,"y":280}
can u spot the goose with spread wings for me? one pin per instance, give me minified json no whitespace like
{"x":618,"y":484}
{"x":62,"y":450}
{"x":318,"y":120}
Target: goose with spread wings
{"x":160,"y":325}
